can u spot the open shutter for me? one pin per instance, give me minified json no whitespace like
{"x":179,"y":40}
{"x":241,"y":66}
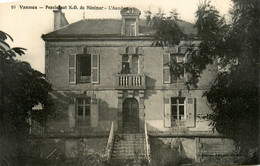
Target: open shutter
{"x":187,"y":75}
{"x":190,"y":112}
{"x":166,"y":69}
{"x":167,"y":112}
{"x":72,"y":69}
{"x":94,"y":112}
{"x":94,"y":68}
{"x":71,"y":110}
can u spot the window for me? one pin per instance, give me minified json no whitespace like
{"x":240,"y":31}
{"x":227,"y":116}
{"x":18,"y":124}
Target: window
{"x":178,"y":58}
{"x":125,"y":65}
{"x":83,"y":68}
{"x":83,"y":111}
{"x":179,"y":111}
{"x":135,"y":64}
{"x":166,"y":68}
{"x":130,"y":27}
{"x":167,"y":58}
{"x":130,"y":64}
{"x":178,"y":108}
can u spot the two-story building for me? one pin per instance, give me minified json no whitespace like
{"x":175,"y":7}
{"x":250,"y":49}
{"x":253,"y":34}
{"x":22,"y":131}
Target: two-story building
{"x":106,"y":70}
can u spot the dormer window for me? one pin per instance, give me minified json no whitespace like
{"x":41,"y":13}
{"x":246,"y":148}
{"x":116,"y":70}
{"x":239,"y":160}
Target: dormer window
{"x":130,"y":21}
{"x":130,"y":27}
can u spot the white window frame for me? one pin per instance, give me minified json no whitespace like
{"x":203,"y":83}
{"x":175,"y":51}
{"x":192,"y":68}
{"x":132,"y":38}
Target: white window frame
{"x":178,"y":111}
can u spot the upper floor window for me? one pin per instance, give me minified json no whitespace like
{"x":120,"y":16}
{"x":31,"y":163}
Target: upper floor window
{"x":178,"y":58}
{"x":135,"y":64}
{"x":167,"y":76}
{"x":130,"y":27}
{"x":125,"y":65}
{"x":130,"y":64}
{"x":83,"y":68}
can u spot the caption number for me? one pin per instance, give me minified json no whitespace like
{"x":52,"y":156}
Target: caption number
{"x":13,"y":7}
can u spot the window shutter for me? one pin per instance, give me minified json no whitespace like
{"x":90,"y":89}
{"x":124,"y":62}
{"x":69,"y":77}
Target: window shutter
{"x":94,"y":112}
{"x":71,"y":110}
{"x":167,"y":112}
{"x":187,"y":74}
{"x":72,"y":69}
{"x":166,"y":69}
{"x":95,"y":68}
{"x":190,"y":112}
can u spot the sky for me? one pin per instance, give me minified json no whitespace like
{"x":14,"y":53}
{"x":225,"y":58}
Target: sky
{"x":27,"y":25}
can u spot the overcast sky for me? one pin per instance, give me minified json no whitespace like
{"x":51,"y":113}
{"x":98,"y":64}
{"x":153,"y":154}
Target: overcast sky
{"x":27,"y":25}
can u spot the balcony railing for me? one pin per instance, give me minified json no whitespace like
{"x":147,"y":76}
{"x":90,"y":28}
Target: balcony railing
{"x":130,"y":81}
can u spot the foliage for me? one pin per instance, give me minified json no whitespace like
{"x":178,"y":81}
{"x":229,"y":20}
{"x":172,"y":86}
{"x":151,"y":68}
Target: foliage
{"x":168,"y":32}
{"x":210,"y":25}
{"x":234,"y":97}
{"x":235,"y":47}
{"x":21,"y":88}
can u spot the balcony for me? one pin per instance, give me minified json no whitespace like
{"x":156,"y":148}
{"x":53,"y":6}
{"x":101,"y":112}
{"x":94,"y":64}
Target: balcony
{"x":130,"y":81}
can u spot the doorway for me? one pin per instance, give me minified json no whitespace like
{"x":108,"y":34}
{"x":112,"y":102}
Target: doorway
{"x":130,"y":116}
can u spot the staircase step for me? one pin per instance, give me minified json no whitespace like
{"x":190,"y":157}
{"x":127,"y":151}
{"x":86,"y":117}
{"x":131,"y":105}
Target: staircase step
{"x":137,"y":148}
{"x":128,"y":150}
{"x":130,"y":156}
{"x":130,"y":140}
{"x":129,"y":146}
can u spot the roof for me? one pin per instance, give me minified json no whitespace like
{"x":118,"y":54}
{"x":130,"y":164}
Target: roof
{"x":111,"y":27}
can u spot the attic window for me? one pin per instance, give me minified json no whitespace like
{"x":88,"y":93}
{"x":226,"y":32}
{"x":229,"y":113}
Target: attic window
{"x":130,"y":27}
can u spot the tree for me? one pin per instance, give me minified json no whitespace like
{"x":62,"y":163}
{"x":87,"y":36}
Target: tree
{"x":234,"y":97}
{"x":168,"y":32}
{"x":235,"y":45}
{"x":21,"y":88}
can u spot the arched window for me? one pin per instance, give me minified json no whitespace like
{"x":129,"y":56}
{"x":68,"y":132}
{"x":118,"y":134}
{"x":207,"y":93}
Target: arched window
{"x":125,"y":65}
{"x":130,"y":64}
{"x":134,"y":64}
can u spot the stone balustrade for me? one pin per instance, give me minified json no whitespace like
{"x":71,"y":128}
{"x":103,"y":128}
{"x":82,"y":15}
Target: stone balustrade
{"x":130,"y":81}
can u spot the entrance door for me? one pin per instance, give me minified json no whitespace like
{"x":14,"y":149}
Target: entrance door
{"x":130,"y":116}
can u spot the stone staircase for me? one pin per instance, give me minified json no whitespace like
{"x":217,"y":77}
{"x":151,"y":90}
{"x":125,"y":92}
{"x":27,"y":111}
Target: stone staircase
{"x":129,"y":146}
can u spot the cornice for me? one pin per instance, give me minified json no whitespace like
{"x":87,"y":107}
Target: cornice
{"x":95,"y":38}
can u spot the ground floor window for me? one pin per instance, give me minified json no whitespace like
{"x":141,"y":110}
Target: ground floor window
{"x":178,"y":108}
{"x":83,"y":111}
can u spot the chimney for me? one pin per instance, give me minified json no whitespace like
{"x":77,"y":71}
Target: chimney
{"x":59,"y":19}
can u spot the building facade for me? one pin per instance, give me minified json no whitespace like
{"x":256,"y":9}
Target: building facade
{"x":106,"y":70}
